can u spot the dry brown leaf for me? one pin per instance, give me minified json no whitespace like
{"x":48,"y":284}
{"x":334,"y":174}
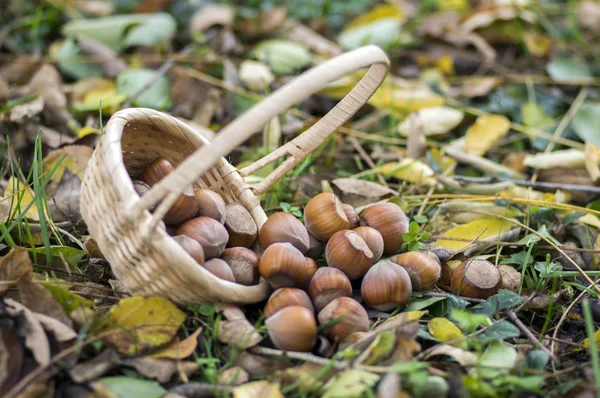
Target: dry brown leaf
{"x":260,"y":366}
{"x":304,"y":376}
{"x":416,"y":146}
{"x":262,"y":24}
{"x":24,"y":111}
{"x":588,"y":13}
{"x":16,"y":265}
{"x":360,"y":192}
{"x":95,"y":367}
{"x":179,"y":349}
{"x":64,"y":205}
{"x":210,"y":16}
{"x":478,"y":86}
{"x":39,"y":299}
{"x":237,"y":331}
{"x":295,"y":31}
{"x":538,"y":44}
{"x":233,"y":376}
{"x":20,"y":70}
{"x":47,"y":83}
{"x":11,"y":359}
{"x":35,"y":337}
{"x":461,"y":356}
{"x":262,"y":389}
{"x":162,"y":370}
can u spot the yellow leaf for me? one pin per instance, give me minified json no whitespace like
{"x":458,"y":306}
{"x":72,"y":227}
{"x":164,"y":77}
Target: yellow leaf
{"x":586,"y":342}
{"x":376,"y":14}
{"x":415,"y":315}
{"x":444,"y":162}
{"x":139,"y":324}
{"x":179,"y":349}
{"x":457,"y":5}
{"x":590,"y":219}
{"x":105,"y":94}
{"x":477,"y":229}
{"x":405,"y":99}
{"x":485,"y":133}
{"x":75,"y":158}
{"x":446,"y":331}
{"x":380,"y":26}
{"x":87,"y":130}
{"x":20,"y":196}
{"x":409,"y":169}
{"x":538,"y":44}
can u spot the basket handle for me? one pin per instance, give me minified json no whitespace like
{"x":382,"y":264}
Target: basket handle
{"x":169,"y":188}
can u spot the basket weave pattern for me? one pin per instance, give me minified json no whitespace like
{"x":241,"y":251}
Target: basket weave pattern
{"x":135,"y":242}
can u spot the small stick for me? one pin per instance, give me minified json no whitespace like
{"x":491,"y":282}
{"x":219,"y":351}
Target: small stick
{"x":510,"y":314}
{"x":365,"y":156}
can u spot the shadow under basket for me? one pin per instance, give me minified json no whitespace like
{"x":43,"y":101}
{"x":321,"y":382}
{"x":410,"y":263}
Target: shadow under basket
{"x":141,"y":253}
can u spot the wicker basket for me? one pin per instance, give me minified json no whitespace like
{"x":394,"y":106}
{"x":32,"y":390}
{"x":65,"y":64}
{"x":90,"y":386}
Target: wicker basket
{"x":141,"y":253}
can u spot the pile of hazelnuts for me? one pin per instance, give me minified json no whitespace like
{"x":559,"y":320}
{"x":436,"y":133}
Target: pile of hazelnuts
{"x":225,"y":240}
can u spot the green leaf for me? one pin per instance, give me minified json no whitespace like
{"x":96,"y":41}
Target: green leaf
{"x":519,"y":258}
{"x":69,"y":50}
{"x":380,"y":26}
{"x":127,"y":387}
{"x":496,"y":360}
{"x":586,"y":121}
{"x":468,"y":322}
{"x":414,"y":228}
{"x":420,"y":219}
{"x":121,"y":31}
{"x":157,"y":96}
{"x":568,"y":70}
{"x":283,"y":56}
{"x":502,"y":300}
{"x":350,"y":383}
{"x":529,"y":383}
{"x":71,"y":255}
{"x":68,"y":300}
{"x":499,"y":331}
{"x":537,"y":359}
{"x":418,"y":304}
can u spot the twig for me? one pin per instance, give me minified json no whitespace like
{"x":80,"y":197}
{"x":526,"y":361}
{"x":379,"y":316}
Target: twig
{"x":562,"y":319}
{"x":365,"y":156}
{"x":301,"y":356}
{"x":525,"y":183}
{"x":440,"y":294}
{"x":164,"y":68}
{"x":510,"y":314}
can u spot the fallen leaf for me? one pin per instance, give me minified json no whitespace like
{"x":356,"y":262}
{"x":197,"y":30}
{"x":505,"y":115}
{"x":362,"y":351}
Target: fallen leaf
{"x":538,"y":44}
{"x":408,"y":169}
{"x":156,"y":96}
{"x":588,"y":13}
{"x":405,"y":99}
{"x":179,"y":349}
{"x":496,"y":360}
{"x":11,"y":359}
{"x":446,"y":331}
{"x":40,"y":300}
{"x":569,"y":70}
{"x":66,"y":54}
{"x":380,"y":26}
{"x":260,"y":366}
{"x":47,"y":83}
{"x":74,"y":158}
{"x":139,"y":324}
{"x":262,"y":389}
{"x":127,"y":387}
{"x":256,"y":75}
{"x":68,"y":300}
{"x":102,"y":96}
{"x":95,"y":367}
{"x":464,"y":357}
{"x":62,"y":254}
{"x":477,"y":229}
{"x":35,"y":337}
{"x":308,"y":377}
{"x":110,"y":62}
{"x":21,"y":196}
{"x":485,"y":133}
{"x":566,"y":158}
{"x":16,"y":265}
{"x":478,"y":86}
{"x":360,"y":192}
{"x":162,"y":370}
{"x":350,"y":383}
{"x":434,"y":121}
{"x":585,"y":123}
{"x":64,"y":204}
{"x":237,"y":330}
{"x":211,"y":15}
{"x":233,"y":376}
{"x":283,"y":56}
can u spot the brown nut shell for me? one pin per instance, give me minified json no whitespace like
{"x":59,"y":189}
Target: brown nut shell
{"x":373,"y":239}
{"x":286,"y":297}
{"x":243,"y":263}
{"x":350,"y":215}
{"x":210,"y":204}
{"x":424,"y":270}
{"x":386,"y":286}
{"x":352,"y":318}
{"x":240,"y":226}
{"x":293,"y":328}
{"x":282,"y":265}
{"x":210,"y":233}
{"x":192,"y":247}
{"x":284,"y":227}
{"x":390,"y":221}
{"x":220,"y":268}
{"x":348,"y":252}
{"x":157,"y":170}
{"x":476,"y":278}
{"x":324,"y":216}
{"x":316,"y":248}
{"x":328,"y":284}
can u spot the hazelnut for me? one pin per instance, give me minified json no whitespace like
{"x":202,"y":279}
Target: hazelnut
{"x":192,"y":247}
{"x":328,"y":284}
{"x":240,"y":225}
{"x":316,"y":248}
{"x":476,"y":278}
{"x":284,"y":227}
{"x":185,"y":207}
{"x":293,"y":328}
{"x":210,"y":204}
{"x":243,"y":263}
{"x":386,"y":286}
{"x":424,"y":270}
{"x":324,"y":216}
{"x":348,"y":252}
{"x":286,"y":297}
{"x":211,"y":235}
{"x":390,"y":221}
{"x":373,"y":239}
{"x":282,"y":265}
{"x":218,"y":267}
{"x":350,"y":215}
{"x":346,"y":316}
